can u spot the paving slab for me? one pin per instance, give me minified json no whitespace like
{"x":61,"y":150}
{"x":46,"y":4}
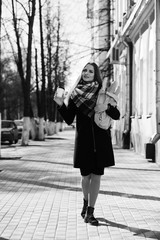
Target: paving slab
{"x":41,"y":197}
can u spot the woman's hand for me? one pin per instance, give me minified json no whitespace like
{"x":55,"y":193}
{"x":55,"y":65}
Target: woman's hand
{"x":59,"y":100}
{"x":59,"y":96}
{"x":112,"y":102}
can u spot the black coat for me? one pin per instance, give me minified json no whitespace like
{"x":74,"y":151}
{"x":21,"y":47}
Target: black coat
{"x":93,"y":145}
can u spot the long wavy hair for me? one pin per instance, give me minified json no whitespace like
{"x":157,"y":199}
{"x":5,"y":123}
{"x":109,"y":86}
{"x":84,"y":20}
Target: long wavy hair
{"x":97,"y":75}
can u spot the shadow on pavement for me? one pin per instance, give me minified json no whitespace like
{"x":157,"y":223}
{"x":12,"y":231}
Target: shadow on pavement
{"x":56,"y":138}
{"x":138,"y":169}
{"x":21,"y":159}
{"x":42,"y":183}
{"x":9,"y":158}
{"x":119,"y":194}
{"x":137,"y":231}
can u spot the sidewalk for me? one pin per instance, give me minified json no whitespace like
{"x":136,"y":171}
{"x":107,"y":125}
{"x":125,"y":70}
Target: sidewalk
{"x":41,"y":198}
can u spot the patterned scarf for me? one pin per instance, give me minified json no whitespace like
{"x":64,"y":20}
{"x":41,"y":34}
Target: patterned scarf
{"x":84,"y":96}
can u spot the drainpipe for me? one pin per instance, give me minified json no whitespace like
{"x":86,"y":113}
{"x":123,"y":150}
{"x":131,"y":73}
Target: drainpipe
{"x":129,"y":44}
{"x":157,"y":51}
{"x":150,"y":147}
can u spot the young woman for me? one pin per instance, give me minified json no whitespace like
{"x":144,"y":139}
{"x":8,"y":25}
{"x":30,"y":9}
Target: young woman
{"x":93,"y":148}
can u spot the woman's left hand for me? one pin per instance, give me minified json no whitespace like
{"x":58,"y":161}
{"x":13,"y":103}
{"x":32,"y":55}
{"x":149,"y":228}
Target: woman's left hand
{"x":112,"y":102}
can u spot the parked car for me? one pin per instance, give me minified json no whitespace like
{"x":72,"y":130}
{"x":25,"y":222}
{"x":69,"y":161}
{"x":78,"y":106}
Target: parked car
{"x":9,"y":131}
{"x":19,"y":124}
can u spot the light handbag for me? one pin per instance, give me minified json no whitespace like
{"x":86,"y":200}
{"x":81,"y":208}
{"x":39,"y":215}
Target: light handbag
{"x":105,"y":97}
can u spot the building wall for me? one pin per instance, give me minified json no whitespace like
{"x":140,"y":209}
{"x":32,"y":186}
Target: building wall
{"x":134,"y":34}
{"x":99,"y":27}
{"x":121,"y":75}
{"x":144,"y":92}
{"x":142,"y":34}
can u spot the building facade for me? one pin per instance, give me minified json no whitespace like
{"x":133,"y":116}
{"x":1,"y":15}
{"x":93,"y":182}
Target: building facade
{"x":134,"y":53}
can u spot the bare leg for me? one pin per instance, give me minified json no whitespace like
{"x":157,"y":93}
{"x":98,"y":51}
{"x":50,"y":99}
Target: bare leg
{"x":92,"y":197}
{"x":86,"y":186}
{"x":94,"y":189}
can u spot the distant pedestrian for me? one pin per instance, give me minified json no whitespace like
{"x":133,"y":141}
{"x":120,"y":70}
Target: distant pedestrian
{"x":93,"y":147}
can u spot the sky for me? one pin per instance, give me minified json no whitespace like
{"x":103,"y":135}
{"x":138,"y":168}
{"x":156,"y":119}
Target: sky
{"x":76,"y":29}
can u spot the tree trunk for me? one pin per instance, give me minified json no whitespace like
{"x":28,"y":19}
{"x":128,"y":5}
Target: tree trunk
{"x":25,"y":78}
{"x":0,"y":52}
{"x":42,"y":109}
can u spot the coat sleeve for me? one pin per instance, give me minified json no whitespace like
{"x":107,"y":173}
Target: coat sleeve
{"x":68,"y":112}
{"x":113,"y":112}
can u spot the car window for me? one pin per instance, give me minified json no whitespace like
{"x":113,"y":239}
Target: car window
{"x":8,"y":124}
{"x":19,"y":123}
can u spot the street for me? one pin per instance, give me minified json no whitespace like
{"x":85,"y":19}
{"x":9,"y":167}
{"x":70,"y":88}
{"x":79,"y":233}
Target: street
{"x":41,"y":198}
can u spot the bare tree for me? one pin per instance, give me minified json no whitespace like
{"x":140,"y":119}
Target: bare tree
{"x":37,"y":82}
{"x":0,"y":21}
{"x":42,"y":108}
{"x":0,"y":48}
{"x":25,"y":75}
{"x":57,"y":62}
{"x":50,"y":94}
